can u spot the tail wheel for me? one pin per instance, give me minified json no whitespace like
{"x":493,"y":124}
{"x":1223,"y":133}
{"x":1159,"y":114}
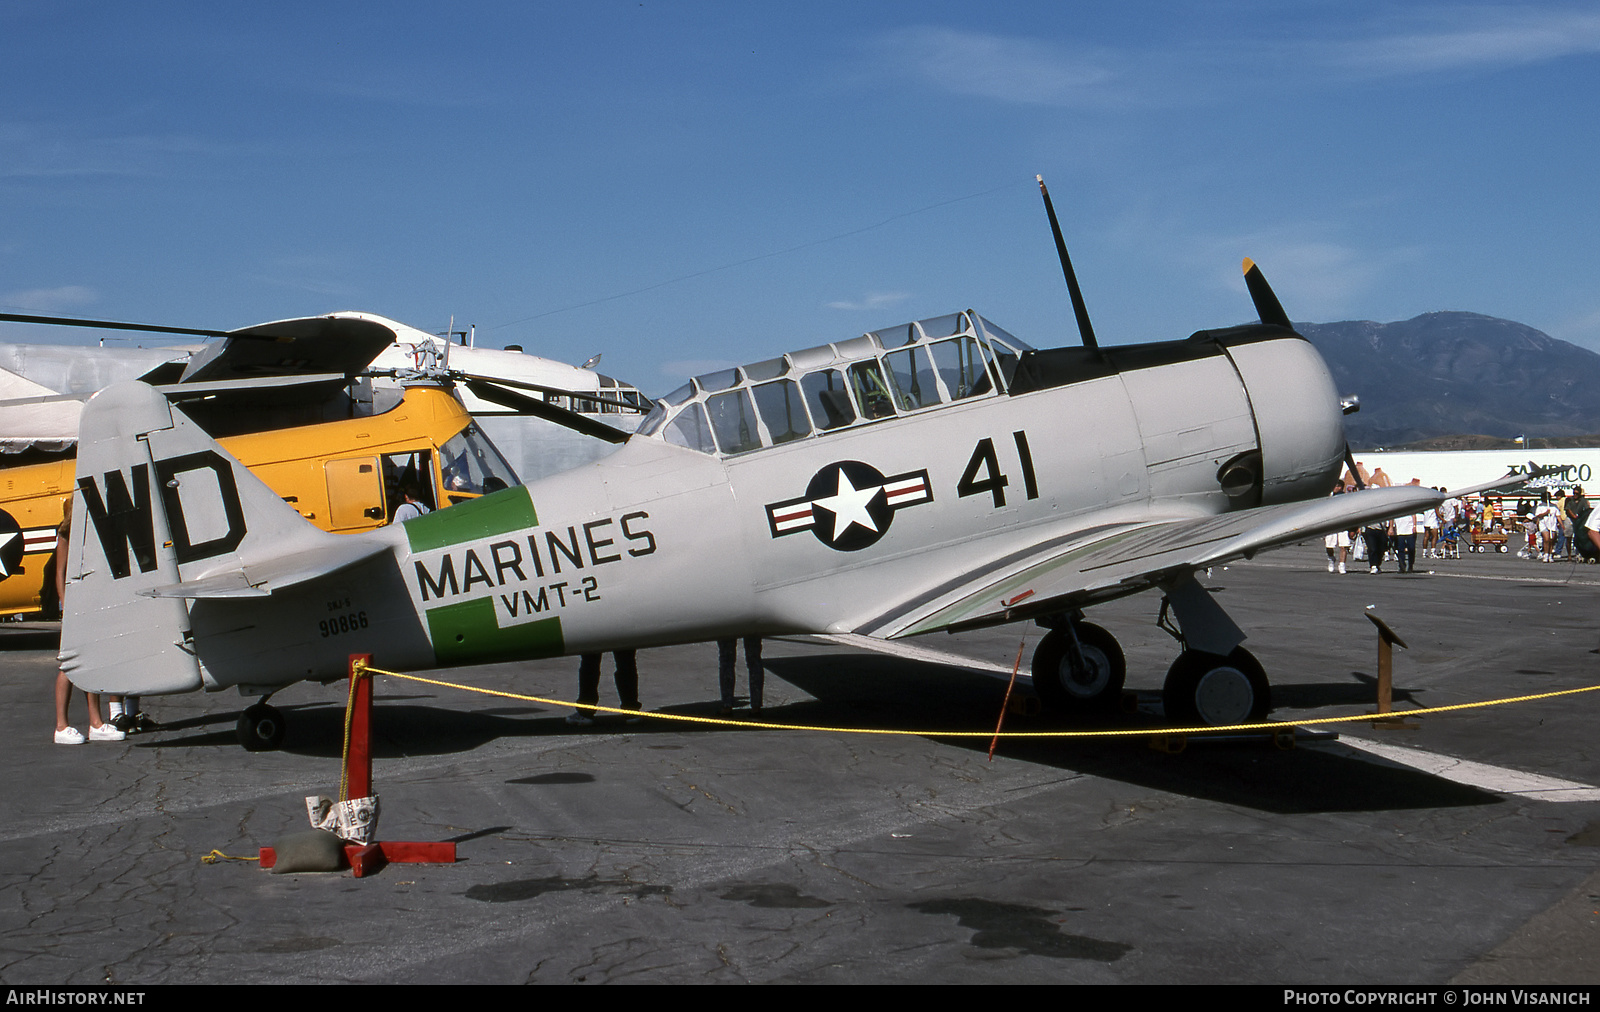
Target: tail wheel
{"x":1098,"y":685}
{"x":1216,"y":691}
{"x":260,"y":728}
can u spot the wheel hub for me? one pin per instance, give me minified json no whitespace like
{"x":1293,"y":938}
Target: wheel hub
{"x":1092,"y":679}
{"x":1224,"y":696}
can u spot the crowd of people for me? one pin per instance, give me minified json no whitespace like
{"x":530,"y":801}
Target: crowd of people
{"x":1549,"y":527}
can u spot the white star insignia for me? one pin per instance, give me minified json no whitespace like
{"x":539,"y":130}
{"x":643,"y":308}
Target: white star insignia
{"x":849,"y":506}
{"x":5,"y":539}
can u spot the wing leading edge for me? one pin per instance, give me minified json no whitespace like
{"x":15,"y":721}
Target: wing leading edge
{"x":1099,"y":562}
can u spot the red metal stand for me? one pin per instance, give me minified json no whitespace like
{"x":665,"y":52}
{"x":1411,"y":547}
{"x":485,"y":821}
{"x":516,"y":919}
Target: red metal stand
{"x":369,"y":858}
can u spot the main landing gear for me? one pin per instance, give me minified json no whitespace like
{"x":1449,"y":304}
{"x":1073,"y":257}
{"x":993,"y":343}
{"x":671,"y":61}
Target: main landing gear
{"x":1078,"y":667}
{"x":1206,"y":689}
{"x":261,"y":727}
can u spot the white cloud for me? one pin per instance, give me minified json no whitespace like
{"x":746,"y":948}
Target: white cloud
{"x":1008,"y":69}
{"x":872,"y":300}
{"x":42,"y":152}
{"x":51,"y":300}
{"x":1472,"y":38}
{"x":1029,"y":71}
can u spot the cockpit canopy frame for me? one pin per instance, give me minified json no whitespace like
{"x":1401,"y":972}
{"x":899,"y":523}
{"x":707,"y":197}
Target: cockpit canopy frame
{"x":881,"y":375}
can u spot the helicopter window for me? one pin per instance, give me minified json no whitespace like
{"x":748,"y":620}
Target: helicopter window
{"x":733,"y":420}
{"x":782,"y":411}
{"x":690,"y":429}
{"x":913,"y":377}
{"x":470,"y":463}
{"x":402,"y":470}
{"x":829,"y":400}
{"x":871,"y":392}
{"x":960,"y":365}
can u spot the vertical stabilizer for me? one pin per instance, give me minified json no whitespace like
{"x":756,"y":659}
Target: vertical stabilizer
{"x":113,"y":640}
{"x":158,"y":504}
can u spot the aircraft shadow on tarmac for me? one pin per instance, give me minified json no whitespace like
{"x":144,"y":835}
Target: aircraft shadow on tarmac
{"x":30,"y":636}
{"x":402,"y":725}
{"x":868,"y":691}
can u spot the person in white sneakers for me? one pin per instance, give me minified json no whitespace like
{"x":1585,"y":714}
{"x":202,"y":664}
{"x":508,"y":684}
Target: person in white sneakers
{"x":99,"y":730}
{"x":1338,"y":540}
{"x":1547,"y":517}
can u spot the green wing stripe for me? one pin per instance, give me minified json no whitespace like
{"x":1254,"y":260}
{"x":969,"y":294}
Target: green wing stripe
{"x":499,"y":513}
{"x":467,"y":633}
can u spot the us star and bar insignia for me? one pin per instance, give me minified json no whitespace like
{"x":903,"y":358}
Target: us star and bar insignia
{"x":849,"y":505}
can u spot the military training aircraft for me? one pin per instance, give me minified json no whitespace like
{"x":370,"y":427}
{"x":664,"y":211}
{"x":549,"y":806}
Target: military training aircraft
{"x":938,"y":475}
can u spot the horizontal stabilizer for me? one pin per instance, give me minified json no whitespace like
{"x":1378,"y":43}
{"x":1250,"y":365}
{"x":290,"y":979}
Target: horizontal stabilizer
{"x":260,"y":579}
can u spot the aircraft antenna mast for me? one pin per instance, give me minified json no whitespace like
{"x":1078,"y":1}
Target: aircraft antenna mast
{"x":1085,"y":328}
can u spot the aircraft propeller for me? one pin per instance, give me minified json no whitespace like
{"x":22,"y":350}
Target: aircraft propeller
{"x":1267,"y":305}
{"x":1271,"y":311}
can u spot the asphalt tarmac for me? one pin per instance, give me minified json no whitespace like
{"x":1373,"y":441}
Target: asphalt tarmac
{"x":663,"y":852}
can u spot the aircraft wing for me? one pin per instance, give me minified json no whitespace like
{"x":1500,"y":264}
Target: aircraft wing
{"x":1100,"y":561}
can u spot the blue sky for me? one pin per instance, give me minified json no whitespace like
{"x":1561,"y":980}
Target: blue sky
{"x":683,"y":185}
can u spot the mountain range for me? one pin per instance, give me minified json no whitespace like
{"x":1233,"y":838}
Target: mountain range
{"x":1452,"y":373}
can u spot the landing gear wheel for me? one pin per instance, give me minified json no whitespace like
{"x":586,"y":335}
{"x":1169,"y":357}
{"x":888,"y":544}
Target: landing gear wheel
{"x":260,"y":728}
{"x":1097,"y":687}
{"x":1216,"y":691}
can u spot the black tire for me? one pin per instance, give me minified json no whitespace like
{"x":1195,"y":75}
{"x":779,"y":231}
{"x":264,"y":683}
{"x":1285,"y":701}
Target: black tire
{"x":1214,"y":691}
{"x":1053,"y":676}
{"x":260,"y":728}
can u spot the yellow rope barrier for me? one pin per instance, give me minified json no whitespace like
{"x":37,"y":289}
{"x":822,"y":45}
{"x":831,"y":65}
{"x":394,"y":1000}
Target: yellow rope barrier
{"x":1119,"y":733}
{"x":217,"y":855}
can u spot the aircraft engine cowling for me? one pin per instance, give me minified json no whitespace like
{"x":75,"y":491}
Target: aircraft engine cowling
{"x":1297,"y":415}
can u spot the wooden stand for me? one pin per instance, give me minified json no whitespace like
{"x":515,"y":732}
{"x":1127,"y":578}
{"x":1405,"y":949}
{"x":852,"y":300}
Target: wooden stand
{"x":1386,"y":641}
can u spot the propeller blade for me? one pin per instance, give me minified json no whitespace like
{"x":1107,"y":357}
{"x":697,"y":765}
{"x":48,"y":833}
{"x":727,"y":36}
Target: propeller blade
{"x":496,"y":394}
{"x":1267,"y":305}
{"x":1081,"y":311}
{"x":1355,"y":472}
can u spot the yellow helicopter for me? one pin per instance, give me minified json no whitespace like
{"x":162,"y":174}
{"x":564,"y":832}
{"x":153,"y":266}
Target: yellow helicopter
{"x":348,"y":466}
{"x":344,"y":476}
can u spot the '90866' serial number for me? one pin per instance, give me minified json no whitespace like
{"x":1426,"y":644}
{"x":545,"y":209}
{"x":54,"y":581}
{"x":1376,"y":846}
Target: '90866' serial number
{"x":336,"y":624}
